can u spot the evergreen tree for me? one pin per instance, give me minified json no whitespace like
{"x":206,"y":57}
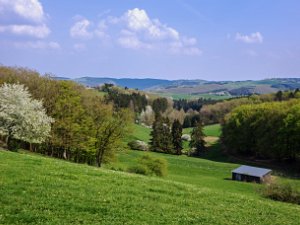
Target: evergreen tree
{"x":187,"y":122}
{"x":197,"y":139}
{"x":161,"y":137}
{"x":176,"y":136}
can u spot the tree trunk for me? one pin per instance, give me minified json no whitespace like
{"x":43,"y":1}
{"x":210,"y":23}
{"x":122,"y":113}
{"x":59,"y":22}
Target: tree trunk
{"x":99,"y":157}
{"x":8,"y":142}
{"x":30,"y":147}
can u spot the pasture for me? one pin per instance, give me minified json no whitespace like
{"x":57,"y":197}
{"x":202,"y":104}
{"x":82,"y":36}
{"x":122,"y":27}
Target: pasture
{"x":38,"y":190}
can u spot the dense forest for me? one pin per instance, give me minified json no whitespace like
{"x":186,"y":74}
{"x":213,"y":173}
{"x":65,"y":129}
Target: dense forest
{"x":267,"y":130}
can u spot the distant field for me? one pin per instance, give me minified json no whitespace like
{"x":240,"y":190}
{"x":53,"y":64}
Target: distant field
{"x":210,"y":130}
{"x":189,"y":96}
{"x":39,"y":190}
{"x":139,"y":132}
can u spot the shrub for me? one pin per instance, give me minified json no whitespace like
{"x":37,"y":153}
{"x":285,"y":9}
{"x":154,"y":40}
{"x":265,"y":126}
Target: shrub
{"x":148,"y":165}
{"x":281,"y":192}
{"x":157,"y":166}
{"x":139,"y":169}
{"x":117,"y":168}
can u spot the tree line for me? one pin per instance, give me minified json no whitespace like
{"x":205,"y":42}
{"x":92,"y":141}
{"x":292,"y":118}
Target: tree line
{"x":267,"y":130}
{"x":85,"y":128}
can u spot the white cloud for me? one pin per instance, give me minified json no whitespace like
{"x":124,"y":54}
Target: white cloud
{"x":23,"y":17}
{"x":137,"y":19}
{"x":249,"y":39}
{"x":101,"y":31}
{"x":37,"y":45}
{"x":40,"y":31}
{"x":152,"y":34}
{"x":80,"y":29}
{"x":130,"y":40}
{"x":27,"y":9}
{"x":136,"y":30}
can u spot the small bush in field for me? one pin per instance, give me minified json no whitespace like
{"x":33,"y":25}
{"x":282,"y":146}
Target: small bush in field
{"x":157,"y":166}
{"x":281,"y":192}
{"x":148,"y":165}
{"x":139,"y":169}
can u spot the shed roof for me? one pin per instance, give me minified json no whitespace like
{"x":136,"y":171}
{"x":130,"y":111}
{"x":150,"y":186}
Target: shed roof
{"x":252,"y":171}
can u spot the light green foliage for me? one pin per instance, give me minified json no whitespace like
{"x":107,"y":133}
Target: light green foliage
{"x":155,"y":166}
{"x":22,"y":117}
{"x":269,"y":130}
{"x":84,"y":125}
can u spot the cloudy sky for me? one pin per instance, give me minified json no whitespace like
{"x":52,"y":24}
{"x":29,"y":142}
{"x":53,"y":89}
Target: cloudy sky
{"x":171,"y":39}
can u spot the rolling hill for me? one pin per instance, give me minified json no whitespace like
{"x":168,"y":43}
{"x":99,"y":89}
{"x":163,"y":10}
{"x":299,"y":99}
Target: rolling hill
{"x":40,"y":190}
{"x":197,"y":88}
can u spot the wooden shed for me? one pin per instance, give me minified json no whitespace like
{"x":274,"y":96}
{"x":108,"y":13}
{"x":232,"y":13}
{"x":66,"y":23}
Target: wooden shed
{"x":251,"y":174}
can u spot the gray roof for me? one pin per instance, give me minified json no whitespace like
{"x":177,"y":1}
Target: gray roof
{"x":252,"y":171}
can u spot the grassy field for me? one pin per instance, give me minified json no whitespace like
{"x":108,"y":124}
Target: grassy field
{"x":194,"y":96}
{"x":39,"y":190}
{"x":210,"y":130}
{"x":139,"y":132}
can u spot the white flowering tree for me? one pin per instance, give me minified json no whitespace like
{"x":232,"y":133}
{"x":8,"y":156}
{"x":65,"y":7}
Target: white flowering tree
{"x":22,"y":117}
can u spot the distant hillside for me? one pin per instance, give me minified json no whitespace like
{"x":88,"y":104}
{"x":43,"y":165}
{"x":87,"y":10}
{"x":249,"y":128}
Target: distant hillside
{"x":197,"y":88}
{"x":123,"y":82}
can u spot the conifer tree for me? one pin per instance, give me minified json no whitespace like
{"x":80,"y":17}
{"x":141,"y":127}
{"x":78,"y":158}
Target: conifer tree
{"x":161,"y":140}
{"x":197,"y":139}
{"x":176,"y":136}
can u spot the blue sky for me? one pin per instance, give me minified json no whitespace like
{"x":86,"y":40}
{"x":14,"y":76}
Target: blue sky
{"x":170,"y":39}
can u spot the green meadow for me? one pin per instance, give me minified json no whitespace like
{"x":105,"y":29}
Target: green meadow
{"x":38,"y":190}
{"x":35,"y":189}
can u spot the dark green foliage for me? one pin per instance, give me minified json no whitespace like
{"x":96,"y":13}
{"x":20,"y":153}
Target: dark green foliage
{"x":197,"y":139}
{"x":267,"y":130}
{"x":176,"y":136}
{"x":187,"y":122}
{"x":278,"y":96}
{"x":281,"y":192}
{"x":106,"y":87}
{"x":135,"y":101}
{"x":161,"y":137}
{"x":192,"y":104}
{"x":160,"y":105}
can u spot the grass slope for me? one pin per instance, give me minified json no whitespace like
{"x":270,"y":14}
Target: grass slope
{"x":210,"y":130}
{"x":139,"y":132}
{"x":40,"y":190}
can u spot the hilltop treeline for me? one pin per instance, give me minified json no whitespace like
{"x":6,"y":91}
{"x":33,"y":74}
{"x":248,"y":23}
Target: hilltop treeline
{"x":86,"y":129}
{"x":266,"y":130}
{"x":215,"y":113}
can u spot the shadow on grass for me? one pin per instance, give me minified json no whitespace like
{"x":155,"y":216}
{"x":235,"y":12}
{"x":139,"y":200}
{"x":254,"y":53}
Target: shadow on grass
{"x":287,"y":169}
{"x":214,"y":153}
